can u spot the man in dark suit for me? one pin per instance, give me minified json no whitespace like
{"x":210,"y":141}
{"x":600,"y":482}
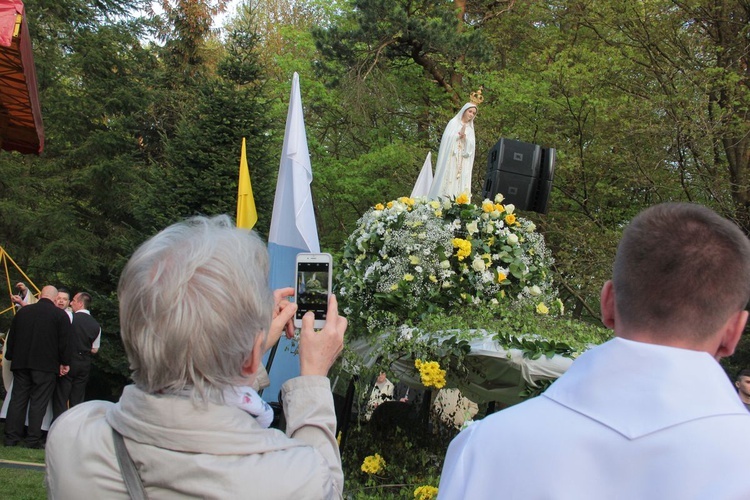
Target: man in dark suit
{"x":84,"y":342}
{"x":38,"y":348}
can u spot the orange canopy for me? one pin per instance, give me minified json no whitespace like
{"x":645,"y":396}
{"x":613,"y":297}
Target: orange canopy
{"x":21,"y":126}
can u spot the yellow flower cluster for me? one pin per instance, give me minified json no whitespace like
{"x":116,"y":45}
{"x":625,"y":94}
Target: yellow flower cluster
{"x":379,"y":206}
{"x":425,"y":492}
{"x":407,"y":201}
{"x":373,"y":464}
{"x":430,"y":373}
{"x":464,"y":248}
{"x":462,"y":199}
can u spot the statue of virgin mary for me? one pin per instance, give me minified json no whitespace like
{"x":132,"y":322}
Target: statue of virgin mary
{"x":456,"y":156}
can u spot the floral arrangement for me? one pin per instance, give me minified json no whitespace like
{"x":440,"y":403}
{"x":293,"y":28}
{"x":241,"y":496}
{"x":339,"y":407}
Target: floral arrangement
{"x":413,"y":257}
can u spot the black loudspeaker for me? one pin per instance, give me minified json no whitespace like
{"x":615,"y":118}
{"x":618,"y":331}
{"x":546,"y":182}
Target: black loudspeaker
{"x":522,"y":172}
{"x":546,"y":175}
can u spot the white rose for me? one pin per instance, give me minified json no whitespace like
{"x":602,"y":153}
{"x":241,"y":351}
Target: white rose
{"x":535,"y":291}
{"x":499,"y":198}
{"x":478,"y":264}
{"x":445,"y":264}
{"x":510,"y":208}
{"x":512,"y":239}
{"x":472,"y":227}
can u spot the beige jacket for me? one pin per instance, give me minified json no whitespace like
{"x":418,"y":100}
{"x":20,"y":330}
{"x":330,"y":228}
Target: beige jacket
{"x":182,"y":450}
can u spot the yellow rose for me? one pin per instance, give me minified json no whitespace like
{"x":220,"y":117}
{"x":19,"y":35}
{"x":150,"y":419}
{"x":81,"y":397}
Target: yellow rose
{"x":510,"y":219}
{"x":379,"y":206}
{"x":425,"y":492}
{"x":373,"y":464}
{"x":462,"y":199}
{"x":487,"y":206}
{"x":541,"y":308}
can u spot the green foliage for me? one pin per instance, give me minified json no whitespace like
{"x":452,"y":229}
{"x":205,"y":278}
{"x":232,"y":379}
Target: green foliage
{"x":412,"y":459}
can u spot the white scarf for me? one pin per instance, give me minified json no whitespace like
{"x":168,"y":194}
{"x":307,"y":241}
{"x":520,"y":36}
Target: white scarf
{"x":245,"y":398}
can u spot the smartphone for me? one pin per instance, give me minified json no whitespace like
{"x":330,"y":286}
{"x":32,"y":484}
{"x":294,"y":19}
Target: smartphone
{"x":314,"y":279}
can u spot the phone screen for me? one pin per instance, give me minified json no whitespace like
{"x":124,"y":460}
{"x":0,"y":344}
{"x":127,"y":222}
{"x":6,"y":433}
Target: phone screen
{"x":312,"y":289}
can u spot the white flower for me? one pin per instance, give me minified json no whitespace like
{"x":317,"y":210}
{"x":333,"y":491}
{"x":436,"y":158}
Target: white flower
{"x":446,"y":204}
{"x":530,"y":227}
{"x":419,"y":270}
{"x":510,"y":208}
{"x":499,"y":198}
{"x":406,"y":333}
{"x":535,"y":291}
{"x":478,"y":264}
{"x":512,"y":239}
{"x":444,"y":264}
{"x":472,"y":227}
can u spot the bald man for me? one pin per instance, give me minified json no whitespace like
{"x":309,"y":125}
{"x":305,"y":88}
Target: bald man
{"x":38,"y":347}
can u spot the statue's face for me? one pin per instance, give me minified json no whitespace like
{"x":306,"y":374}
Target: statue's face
{"x":469,"y":114}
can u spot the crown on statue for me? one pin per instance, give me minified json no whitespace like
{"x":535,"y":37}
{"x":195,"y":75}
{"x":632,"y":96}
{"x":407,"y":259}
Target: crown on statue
{"x":477,"y":97}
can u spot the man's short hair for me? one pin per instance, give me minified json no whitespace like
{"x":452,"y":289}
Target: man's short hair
{"x":743,"y":373}
{"x":85,"y":299}
{"x":681,"y":270}
{"x":193,"y":299}
{"x":62,"y":289}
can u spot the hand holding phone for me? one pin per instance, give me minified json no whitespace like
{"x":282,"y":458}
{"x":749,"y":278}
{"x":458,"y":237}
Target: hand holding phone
{"x":314,"y":272}
{"x":319,"y":349}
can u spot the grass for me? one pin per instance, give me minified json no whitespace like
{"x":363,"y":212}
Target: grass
{"x":21,"y":484}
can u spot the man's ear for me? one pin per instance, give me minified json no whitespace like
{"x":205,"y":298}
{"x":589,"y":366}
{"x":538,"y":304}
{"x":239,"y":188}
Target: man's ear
{"x":607,"y":299}
{"x":250,"y":367}
{"x":732,"y":332}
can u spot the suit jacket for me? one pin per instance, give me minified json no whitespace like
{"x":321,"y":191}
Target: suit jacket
{"x":38,"y":338}
{"x":627,"y":420}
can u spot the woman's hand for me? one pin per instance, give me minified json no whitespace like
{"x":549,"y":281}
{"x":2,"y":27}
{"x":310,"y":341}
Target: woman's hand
{"x":283,"y":314}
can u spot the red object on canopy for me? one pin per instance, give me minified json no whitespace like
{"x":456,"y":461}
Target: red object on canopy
{"x":21,"y":126}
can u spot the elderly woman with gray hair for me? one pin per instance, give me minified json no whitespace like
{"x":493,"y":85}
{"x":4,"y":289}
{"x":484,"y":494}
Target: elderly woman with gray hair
{"x":196,"y":316}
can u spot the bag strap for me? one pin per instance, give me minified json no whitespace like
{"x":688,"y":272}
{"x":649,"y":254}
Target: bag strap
{"x":127,"y":467}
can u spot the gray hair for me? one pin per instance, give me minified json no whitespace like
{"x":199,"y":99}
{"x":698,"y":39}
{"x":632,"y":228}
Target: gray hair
{"x":193,"y":299}
{"x":681,"y":270}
